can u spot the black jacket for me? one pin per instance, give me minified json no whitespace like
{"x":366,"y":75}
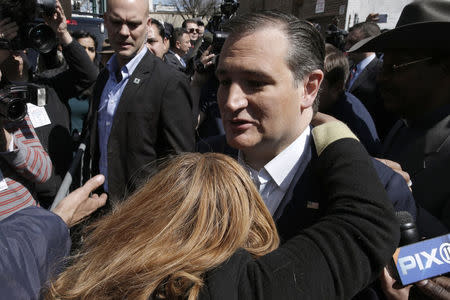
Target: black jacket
{"x":334,"y":258}
{"x":152,"y":120}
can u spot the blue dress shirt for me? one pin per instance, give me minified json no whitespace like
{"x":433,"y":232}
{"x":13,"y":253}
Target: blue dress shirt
{"x":108,"y":104}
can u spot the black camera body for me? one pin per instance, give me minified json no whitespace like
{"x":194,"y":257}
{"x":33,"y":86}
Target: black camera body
{"x":14,"y":99}
{"x":33,"y":33}
{"x":336,"y":36}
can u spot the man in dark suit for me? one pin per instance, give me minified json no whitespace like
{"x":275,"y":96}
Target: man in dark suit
{"x":364,"y":69}
{"x":179,"y":46}
{"x":415,"y":84}
{"x":141,"y":109}
{"x":267,"y":101}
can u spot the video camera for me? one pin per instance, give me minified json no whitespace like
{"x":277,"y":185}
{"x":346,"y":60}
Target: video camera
{"x":14,"y":99}
{"x":227,"y":10}
{"x":33,"y":33}
{"x":336,"y":36}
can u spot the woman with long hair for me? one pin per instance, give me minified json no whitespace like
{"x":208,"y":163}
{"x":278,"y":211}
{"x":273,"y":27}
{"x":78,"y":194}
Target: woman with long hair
{"x":199,"y":230}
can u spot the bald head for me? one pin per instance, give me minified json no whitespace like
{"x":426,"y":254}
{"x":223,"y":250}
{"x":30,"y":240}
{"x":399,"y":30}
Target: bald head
{"x":127,"y":22}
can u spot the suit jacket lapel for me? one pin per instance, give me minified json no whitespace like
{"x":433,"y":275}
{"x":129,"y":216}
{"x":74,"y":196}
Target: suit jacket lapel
{"x":364,"y":74}
{"x":298,"y":182}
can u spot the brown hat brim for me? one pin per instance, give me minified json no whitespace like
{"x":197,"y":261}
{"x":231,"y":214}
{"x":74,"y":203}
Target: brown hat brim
{"x":426,"y":35}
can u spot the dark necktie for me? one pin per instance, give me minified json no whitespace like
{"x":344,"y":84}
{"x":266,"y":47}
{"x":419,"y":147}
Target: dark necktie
{"x":351,"y":76}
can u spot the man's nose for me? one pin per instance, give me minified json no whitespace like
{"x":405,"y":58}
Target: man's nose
{"x":124,"y":30}
{"x":236,"y":98}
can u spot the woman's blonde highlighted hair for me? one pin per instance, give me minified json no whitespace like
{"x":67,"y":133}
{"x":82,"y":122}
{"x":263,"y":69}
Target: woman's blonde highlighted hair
{"x":189,"y":218}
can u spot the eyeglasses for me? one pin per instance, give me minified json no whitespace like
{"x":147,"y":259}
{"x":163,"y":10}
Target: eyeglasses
{"x":397,"y":67}
{"x":192,"y":30}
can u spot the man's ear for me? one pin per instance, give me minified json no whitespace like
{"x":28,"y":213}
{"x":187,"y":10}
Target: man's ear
{"x":311,"y":86}
{"x":178,"y":44}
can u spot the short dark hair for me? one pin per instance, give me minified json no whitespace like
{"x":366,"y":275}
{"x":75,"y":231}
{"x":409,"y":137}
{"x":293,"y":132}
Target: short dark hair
{"x":367,"y":29}
{"x":200,"y":23}
{"x":79,"y":34}
{"x":187,"y":21}
{"x":336,"y":66}
{"x":161,"y":29}
{"x":306,"y":50}
{"x":176,"y":36}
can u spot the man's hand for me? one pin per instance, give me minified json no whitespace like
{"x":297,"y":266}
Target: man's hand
{"x":78,"y":204}
{"x":437,"y":288}
{"x":391,"y":288}
{"x":373,"y":17}
{"x":397,"y":168}
{"x":58,"y":23}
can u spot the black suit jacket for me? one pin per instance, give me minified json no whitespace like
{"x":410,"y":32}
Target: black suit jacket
{"x":305,"y":202}
{"x":423,"y":150}
{"x":173,"y":61}
{"x":323,"y":261}
{"x":153,"y":119}
{"x":365,"y":88}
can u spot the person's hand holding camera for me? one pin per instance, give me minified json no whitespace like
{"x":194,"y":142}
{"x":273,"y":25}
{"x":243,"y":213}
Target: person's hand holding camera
{"x":58,"y":23}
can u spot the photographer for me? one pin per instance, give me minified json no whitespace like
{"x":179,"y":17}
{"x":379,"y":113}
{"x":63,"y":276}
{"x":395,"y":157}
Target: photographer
{"x":22,"y":161}
{"x":54,"y":128}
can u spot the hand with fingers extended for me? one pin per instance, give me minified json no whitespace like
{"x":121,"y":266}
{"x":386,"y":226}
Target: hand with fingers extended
{"x":58,"y":23}
{"x":80,"y":203}
{"x":207,"y":58}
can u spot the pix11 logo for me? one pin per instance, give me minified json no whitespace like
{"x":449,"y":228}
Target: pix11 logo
{"x":423,"y":260}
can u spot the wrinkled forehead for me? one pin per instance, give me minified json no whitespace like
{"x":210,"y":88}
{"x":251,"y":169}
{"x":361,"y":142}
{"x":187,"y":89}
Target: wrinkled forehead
{"x":191,"y":25}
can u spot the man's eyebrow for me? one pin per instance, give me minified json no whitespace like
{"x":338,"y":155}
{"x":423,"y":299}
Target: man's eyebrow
{"x":117,"y":18}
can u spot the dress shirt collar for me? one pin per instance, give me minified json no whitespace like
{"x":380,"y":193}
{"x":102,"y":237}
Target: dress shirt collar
{"x":283,"y":167}
{"x":363,"y":64}
{"x":113,"y":66}
{"x":181,"y":60}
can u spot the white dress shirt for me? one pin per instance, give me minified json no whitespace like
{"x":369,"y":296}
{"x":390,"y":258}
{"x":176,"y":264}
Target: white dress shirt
{"x":274,"y":179}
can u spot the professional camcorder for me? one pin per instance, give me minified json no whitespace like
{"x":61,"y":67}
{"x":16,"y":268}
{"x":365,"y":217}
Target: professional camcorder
{"x":336,"y":36}
{"x":33,"y":33}
{"x":14,"y":99}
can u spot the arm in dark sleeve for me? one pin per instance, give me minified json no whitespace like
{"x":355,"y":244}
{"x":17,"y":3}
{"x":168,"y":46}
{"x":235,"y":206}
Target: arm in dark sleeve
{"x":79,"y":76}
{"x":343,"y":252}
{"x":32,"y":242}
{"x":397,"y":189}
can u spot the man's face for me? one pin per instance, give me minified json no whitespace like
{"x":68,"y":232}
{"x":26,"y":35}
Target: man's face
{"x":155,"y":42}
{"x":405,"y":90}
{"x":192,"y":28}
{"x":352,"y":38}
{"x":184,"y":43}
{"x":88,"y":44}
{"x":201,"y":30}
{"x":127,"y":23}
{"x":260,"y":104}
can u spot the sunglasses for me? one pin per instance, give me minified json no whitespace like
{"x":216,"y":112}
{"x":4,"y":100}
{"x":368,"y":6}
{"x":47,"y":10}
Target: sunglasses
{"x":192,"y":30}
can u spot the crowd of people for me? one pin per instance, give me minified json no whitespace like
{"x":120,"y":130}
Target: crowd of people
{"x":269,"y":164}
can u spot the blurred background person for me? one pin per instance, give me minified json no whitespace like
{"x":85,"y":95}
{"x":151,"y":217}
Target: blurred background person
{"x":335,"y":101}
{"x":179,"y":47}
{"x":79,"y":106}
{"x":157,"y":42}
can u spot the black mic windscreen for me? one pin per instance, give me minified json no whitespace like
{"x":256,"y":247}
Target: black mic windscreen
{"x":408,"y":231}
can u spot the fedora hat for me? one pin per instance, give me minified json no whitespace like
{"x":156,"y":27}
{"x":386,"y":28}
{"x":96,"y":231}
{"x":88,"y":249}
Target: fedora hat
{"x":423,"y":24}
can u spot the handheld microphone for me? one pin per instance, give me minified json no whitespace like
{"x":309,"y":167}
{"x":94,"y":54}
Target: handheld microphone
{"x":417,"y":260}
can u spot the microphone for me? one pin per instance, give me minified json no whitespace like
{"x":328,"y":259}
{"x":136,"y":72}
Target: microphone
{"x":417,"y":259}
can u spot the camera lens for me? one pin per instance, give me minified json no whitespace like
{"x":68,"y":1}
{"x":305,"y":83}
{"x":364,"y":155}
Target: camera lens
{"x":17,"y":109}
{"x":42,"y":38}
